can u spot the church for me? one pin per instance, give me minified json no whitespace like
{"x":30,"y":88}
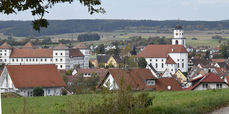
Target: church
{"x":63,"y":57}
{"x":167,"y":58}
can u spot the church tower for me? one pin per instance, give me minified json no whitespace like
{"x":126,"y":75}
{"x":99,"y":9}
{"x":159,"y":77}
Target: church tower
{"x":178,"y":36}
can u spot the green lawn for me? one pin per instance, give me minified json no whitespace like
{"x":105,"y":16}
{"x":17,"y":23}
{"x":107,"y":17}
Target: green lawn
{"x":191,"y":102}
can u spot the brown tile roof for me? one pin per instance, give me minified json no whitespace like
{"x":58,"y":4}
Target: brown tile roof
{"x":208,"y":78}
{"x":31,"y":53}
{"x":161,"y":51}
{"x":80,"y":46}
{"x":135,"y":78}
{"x":162,"y":84}
{"x":218,"y":60}
{"x":75,"y":53}
{"x":60,"y":46}
{"x":5,"y":46}
{"x":169,"y":60}
{"x":30,"y":76}
{"x":28,"y":45}
{"x":100,"y":72}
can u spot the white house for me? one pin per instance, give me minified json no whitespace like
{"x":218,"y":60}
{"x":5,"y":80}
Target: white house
{"x":208,"y":81}
{"x":60,"y":55}
{"x":171,"y":57}
{"x":21,"y":79}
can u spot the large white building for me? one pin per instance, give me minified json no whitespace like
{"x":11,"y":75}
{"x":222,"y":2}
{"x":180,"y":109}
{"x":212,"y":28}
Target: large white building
{"x":62,"y":56}
{"x":170,"y":58}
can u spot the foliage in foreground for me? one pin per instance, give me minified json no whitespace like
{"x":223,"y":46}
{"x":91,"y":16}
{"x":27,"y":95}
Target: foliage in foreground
{"x":182,"y":102}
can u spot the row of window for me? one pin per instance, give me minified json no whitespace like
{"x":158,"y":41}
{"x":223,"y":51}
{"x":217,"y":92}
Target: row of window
{"x":34,"y":60}
{"x":217,"y":85}
{"x":163,"y":60}
{"x":162,"y":65}
{"x":2,"y":50}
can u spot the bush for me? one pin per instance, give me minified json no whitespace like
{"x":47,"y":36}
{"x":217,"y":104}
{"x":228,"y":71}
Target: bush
{"x":64,"y":91}
{"x":38,"y":91}
{"x":68,"y":72}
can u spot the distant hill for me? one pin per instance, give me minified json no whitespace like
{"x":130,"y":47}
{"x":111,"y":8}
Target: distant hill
{"x":24,"y":28}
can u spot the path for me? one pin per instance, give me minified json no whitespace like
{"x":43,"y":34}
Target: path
{"x":224,"y":110}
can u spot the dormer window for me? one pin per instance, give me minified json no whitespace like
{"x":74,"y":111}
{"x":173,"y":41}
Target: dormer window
{"x":150,"y":82}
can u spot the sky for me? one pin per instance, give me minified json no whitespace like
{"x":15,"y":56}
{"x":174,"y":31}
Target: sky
{"x":210,"y":10}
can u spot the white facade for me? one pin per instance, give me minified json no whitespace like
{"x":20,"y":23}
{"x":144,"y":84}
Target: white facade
{"x":60,"y":57}
{"x":110,"y":83}
{"x":6,"y":85}
{"x":178,"y":37}
{"x":203,"y":86}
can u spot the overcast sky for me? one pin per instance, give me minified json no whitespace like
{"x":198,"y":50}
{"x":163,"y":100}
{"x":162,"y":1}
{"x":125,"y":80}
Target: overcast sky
{"x":138,"y":9}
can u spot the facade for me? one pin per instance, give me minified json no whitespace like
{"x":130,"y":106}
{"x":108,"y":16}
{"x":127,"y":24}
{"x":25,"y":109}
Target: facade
{"x":21,"y":79}
{"x":62,"y":56}
{"x":171,"y":57}
{"x":208,"y":81}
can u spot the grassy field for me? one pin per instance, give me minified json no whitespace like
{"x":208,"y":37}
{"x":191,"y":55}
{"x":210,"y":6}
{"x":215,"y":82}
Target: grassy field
{"x":190,"y":102}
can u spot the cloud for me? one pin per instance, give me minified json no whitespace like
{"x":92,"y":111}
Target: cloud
{"x":212,"y":1}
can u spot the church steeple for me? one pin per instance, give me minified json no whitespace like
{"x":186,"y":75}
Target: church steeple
{"x":178,"y":36}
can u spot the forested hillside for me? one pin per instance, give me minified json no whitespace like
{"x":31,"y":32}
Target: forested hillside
{"x":24,"y":28}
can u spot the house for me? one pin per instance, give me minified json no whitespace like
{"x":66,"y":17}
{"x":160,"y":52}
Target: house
{"x":181,"y":76}
{"x":62,"y":56}
{"x":138,"y":79}
{"x":172,"y":57}
{"x":107,"y":60}
{"x":21,"y":79}
{"x":208,"y":81}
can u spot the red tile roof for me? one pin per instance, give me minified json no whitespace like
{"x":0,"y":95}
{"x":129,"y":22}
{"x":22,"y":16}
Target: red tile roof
{"x":135,"y":78}
{"x":208,"y":78}
{"x":218,"y":60}
{"x":169,"y":60}
{"x":75,"y":53}
{"x":100,"y":72}
{"x":161,"y":51}
{"x":80,"y":46}
{"x":5,"y":46}
{"x":28,"y":45}
{"x":32,"y":53}
{"x":162,"y":84}
{"x":30,"y":76}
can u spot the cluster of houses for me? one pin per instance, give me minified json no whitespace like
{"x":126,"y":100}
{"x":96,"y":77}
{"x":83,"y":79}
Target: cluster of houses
{"x":168,"y":68}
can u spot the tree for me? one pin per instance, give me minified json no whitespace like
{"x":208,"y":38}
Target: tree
{"x":100,"y":49}
{"x":40,"y":7}
{"x":38,"y":91}
{"x":207,"y":55}
{"x":133,"y":51}
{"x":142,"y":62}
{"x":88,"y":37}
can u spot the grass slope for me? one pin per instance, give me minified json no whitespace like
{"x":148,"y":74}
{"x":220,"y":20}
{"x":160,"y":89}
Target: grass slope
{"x":184,"y":102}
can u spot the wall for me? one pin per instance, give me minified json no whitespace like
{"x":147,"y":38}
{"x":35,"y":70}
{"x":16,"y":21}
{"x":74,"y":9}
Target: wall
{"x":109,"y":82}
{"x":210,"y":85}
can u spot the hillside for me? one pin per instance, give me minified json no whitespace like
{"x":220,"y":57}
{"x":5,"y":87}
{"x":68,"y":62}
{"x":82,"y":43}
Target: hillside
{"x":56,"y":27}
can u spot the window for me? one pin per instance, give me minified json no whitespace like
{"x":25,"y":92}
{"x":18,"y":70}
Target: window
{"x":36,"y":59}
{"x":5,"y":60}
{"x":45,"y":59}
{"x":162,"y":60}
{"x":171,"y":69}
{"x":21,"y":59}
{"x":29,"y":59}
{"x":178,"y":65}
{"x":218,"y":85}
{"x":41,"y":59}
{"x":162,"y":65}
{"x":48,"y":91}
{"x":5,"y":50}
{"x":17,"y":60}
{"x":33,"y":60}
{"x":60,"y":66}
{"x":176,"y":33}
{"x":61,"y":54}
{"x":205,"y":85}
{"x":5,"y":53}
{"x":150,"y":60}
{"x":56,"y":53}
{"x":177,"y":59}
{"x":56,"y":60}
{"x":150,"y":82}
{"x":13,"y":60}
{"x":156,"y":59}
{"x":156,"y":65}
{"x":182,"y":65}
{"x":50,"y":59}
{"x":182,"y":59}
{"x":60,"y":60}
{"x":26,"y":59}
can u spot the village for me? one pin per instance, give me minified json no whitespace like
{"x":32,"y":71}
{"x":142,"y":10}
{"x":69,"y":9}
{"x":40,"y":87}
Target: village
{"x":63,"y":70}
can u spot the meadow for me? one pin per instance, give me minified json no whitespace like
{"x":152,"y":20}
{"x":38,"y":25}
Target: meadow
{"x":180,"y":102}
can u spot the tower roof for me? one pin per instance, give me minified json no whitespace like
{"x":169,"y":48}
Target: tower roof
{"x":178,"y":27}
{"x":29,"y":45}
{"x":5,"y":46}
{"x":60,"y":46}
